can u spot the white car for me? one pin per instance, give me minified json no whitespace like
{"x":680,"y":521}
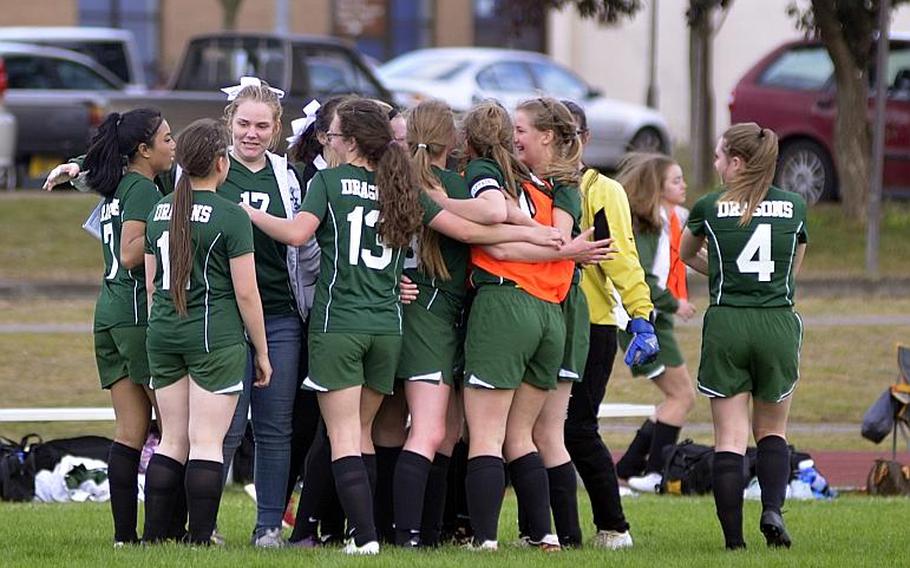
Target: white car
{"x":465,"y":76}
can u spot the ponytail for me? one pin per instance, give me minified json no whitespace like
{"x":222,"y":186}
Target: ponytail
{"x":181,"y":242}
{"x":115,"y":144}
{"x":757,"y":148}
{"x":488,"y":132}
{"x":431,"y":261}
{"x":400,"y":211}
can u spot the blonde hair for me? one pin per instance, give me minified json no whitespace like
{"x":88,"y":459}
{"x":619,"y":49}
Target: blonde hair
{"x":488,"y":133}
{"x":757,"y":148}
{"x":431,"y":129}
{"x":548,"y":114}
{"x":259,"y":94}
{"x":643,"y":176}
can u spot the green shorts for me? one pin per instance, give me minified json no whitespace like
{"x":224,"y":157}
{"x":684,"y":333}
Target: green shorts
{"x":219,"y":372}
{"x":120,"y":353}
{"x":754,"y":350}
{"x":429,"y":344}
{"x":670,"y":354}
{"x":513,"y":337}
{"x":342,"y":360}
{"x":578,"y":335}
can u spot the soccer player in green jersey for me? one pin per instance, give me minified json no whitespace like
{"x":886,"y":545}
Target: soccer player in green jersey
{"x":756,"y":238}
{"x":141,"y":138}
{"x":657,"y":191}
{"x":364,"y":214}
{"x":201,"y":281}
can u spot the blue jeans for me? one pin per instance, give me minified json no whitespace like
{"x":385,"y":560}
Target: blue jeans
{"x":272,"y":413}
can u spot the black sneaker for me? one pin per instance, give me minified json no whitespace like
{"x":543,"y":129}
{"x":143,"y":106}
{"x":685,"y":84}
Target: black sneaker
{"x":772,"y":526}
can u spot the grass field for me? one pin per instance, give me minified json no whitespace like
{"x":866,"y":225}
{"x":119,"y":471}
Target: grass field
{"x":668,"y":531}
{"x":43,"y":240}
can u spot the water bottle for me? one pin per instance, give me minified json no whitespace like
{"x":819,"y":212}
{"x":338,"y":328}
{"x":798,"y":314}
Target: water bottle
{"x":809,"y":475}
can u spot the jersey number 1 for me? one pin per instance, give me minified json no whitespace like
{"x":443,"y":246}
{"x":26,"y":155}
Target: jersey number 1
{"x":759,"y":244}
{"x":164,"y":245}
{"x":357,"y":220}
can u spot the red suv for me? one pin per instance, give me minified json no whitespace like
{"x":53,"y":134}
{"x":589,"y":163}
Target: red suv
{"x":791,"y":90}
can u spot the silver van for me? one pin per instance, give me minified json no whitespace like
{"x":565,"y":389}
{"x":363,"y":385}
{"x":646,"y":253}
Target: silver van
{"x":114,"y":49}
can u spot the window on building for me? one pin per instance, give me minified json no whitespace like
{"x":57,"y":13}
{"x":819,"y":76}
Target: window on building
{"x":383,"y":29}
{"x":491,"y":30}
{"x":141,"y":17}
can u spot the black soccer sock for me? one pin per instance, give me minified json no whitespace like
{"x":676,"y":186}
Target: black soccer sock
{"x":409,"y":490}
{"x":564,"y":503}
{"x":163,"y":481}
{"x":317,"y":482}
{"x":773,"y":472}
{"x":122,"y":471}
{"x":203,"y":495}
{"x":434,"y":501}
{"x":177,"y":531}
{"x":664,"y":435}
{"x":532,"y":489}
{"x":635,"y":459}
{"x":485,"y":485}
{"x":386,"y":458}
{"x":456,"y":521}
{"x":353,"y":485}
{"x":728,"y":481}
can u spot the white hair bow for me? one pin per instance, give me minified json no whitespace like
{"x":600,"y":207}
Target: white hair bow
{"x":232,"y":92}
{"x":299,"y":125}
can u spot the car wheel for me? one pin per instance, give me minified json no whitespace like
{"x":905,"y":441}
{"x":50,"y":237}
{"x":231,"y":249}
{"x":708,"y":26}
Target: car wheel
{"x":805,"y":168}
{"x":646,"y":140}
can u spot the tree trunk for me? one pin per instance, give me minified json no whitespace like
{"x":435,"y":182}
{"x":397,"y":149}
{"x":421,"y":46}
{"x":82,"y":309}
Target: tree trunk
{"x":701,"y":103}
{"x":852,"y":137}
{"x":229,"y":10}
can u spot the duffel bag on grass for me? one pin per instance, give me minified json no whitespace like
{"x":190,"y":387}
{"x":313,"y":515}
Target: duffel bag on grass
{"x":687,"y":469}
{"x":888,"y":477}
{"x":17,"y":468}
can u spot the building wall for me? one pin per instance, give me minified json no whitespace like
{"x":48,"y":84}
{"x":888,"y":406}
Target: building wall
{"x":454,"y":23}
{"x":615,"y":59}
{"x":39,"y":13}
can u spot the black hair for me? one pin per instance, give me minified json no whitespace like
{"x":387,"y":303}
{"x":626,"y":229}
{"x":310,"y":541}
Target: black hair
{"x":307,"y":146}
{"x":115,"y":144}
{"x":579,"y":113}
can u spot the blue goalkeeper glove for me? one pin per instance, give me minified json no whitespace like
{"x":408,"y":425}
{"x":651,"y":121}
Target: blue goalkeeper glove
{"x":643,"y":348}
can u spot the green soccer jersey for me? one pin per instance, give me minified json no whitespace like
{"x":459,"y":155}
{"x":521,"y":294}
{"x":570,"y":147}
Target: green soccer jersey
{"x":260,"y":190}
{"x":483,"y":174}
{"x":752,"y":265}
{"x":568,"y":198}
{"x":455,"y":254}
{"x":221,"y":231}
{"x":357,"y":291}
{"x":122,"y":300}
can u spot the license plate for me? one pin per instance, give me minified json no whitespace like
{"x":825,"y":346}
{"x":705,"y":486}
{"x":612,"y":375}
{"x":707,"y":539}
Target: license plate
{"x":39,"y":166}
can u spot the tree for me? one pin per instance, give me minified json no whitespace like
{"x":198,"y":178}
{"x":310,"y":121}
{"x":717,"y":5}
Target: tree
{"x":229,"y":11}
{"x":704,"y":18}
{"x":847,"y":29}
{"x":533,"y":12}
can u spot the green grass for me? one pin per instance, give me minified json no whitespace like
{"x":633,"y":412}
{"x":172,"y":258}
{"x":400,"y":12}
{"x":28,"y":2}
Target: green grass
{"x":668,"y":531}
{"x":43,"y":240}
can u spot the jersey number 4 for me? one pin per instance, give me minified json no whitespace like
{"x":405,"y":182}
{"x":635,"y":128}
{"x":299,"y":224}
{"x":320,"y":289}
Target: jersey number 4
{"x":357,"y":220}
{"x":755,"y":257}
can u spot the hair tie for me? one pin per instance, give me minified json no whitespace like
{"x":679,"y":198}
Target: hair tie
{"x":422,"y":145}
{"x":233,"y":92}
{"x":761,"y":133}
{"x":390,"y":143}
{"x":393,"y":113}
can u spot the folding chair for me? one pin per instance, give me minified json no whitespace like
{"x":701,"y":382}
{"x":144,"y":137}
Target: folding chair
{"x":900,"y":392}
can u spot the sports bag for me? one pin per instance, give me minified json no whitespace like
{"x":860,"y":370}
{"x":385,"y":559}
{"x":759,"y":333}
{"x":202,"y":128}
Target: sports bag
{"x":888,"y":477}
{"x":17,"y":468}
{"x":687,"y":469}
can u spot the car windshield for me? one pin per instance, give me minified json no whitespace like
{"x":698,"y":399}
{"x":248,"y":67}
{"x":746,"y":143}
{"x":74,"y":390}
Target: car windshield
{"x":218,"y":62}
{"x":806,"y":68}
{"x":423,"y":67}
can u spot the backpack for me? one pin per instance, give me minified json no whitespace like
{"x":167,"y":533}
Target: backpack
{"x":888,"y":477}
{"x":687,"y":469}
{"x":17,"y":468}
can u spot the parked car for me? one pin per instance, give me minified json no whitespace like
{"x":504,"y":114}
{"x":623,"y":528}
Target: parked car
{"x":7,"y":137}
{"x":304,"y":67}
{"x":792,"y":91}
{"x":58,"y":98}
{"x":465,"y":76}
{"x":114,"y":49}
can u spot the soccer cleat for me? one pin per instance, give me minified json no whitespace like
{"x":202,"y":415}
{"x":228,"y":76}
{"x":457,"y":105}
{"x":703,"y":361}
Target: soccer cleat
{"x":268,"y":538}
{"x":250,"y":489}
{"x":613,"y":540}
{"x":772,"y":526}
{"x":217,"y":538}
{"x":648,"y":483}
{"x":549,"y":543}
{"x":306,"y":542}
{"x":487,"y":545}
{"x":367,"y":549}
